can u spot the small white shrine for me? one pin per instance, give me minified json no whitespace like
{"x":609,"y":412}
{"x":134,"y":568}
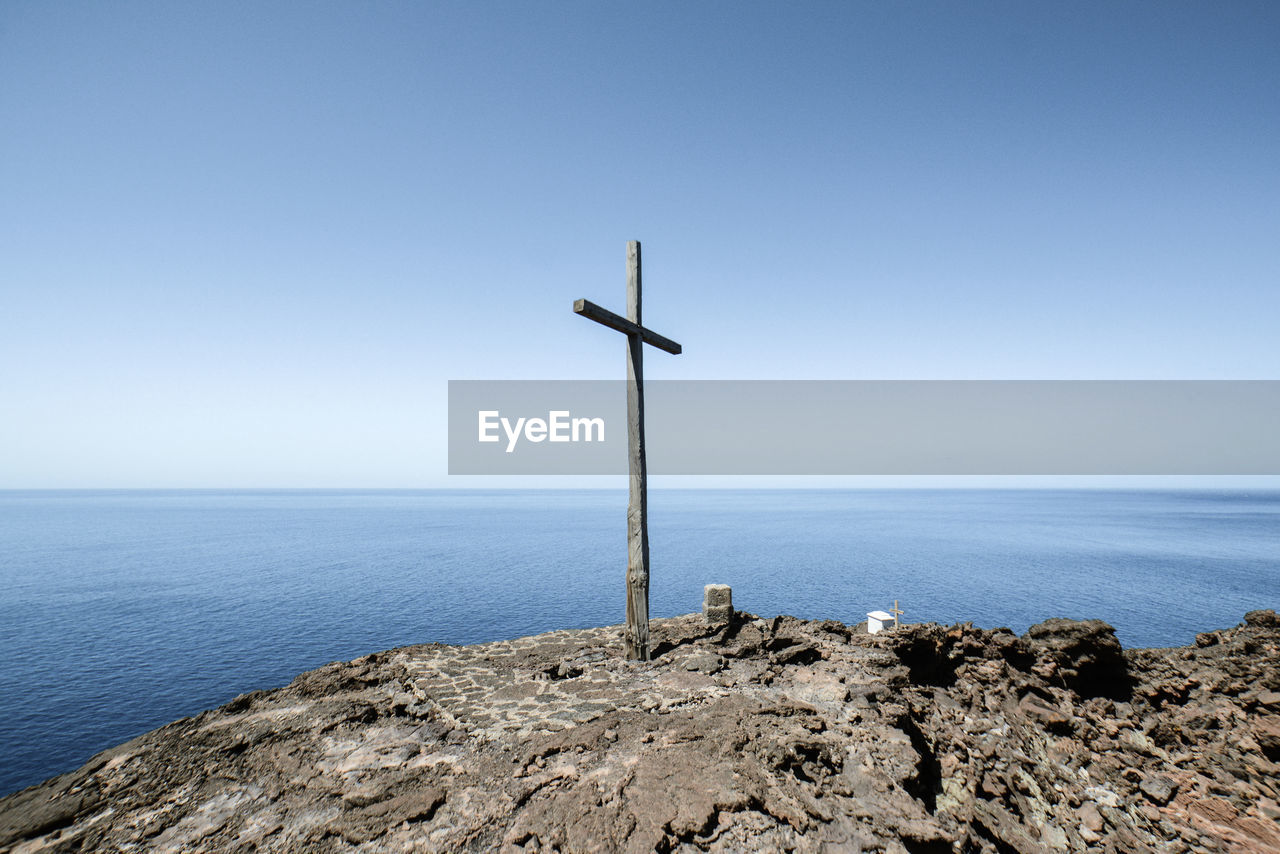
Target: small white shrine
{"x":877,"y":619}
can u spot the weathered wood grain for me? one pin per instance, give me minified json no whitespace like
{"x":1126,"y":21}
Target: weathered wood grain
{"x":636,"y":632}
{"x":603,"y":316}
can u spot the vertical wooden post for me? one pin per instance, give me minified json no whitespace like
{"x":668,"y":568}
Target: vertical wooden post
{"x":637,"y":630}
{"x":636,"y":633}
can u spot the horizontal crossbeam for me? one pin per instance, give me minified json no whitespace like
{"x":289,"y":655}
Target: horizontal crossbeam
{"x":586,"y":308}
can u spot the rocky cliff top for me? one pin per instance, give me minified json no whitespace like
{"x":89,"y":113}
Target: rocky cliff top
{"x":779,"y":734}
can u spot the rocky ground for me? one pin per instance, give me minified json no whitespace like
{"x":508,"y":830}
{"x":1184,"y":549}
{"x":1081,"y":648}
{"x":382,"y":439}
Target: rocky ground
{"x":779,"y":734}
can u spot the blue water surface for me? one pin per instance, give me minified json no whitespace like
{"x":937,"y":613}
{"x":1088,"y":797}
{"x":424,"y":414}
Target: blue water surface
{"x":123,"y":610}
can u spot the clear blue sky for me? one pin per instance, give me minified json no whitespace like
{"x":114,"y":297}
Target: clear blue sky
{"x":247,"y":244}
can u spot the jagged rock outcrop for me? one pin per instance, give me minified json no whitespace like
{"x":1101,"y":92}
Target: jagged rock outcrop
{"x":778,"y":735}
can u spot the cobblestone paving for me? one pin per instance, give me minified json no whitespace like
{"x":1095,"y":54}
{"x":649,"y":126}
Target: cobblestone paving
{"x":506,"y":691}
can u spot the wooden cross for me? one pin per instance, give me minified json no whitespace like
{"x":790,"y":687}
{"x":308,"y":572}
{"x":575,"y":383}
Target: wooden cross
{"x":896,"y":613}
{"x":636,"y":636}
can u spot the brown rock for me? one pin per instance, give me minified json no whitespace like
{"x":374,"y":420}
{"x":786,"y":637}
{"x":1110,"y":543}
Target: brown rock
{"x":1158,"y":788}
{"x":1262,"y":619}
{"x":1045,"y":712}
{"x":755,"y":735}
{"x":1090,"y":818}
{"x":1084,"y":654}
{"x":1266,"y":732}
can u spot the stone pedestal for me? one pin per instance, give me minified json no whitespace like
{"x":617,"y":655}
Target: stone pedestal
{"x":717,"y":603}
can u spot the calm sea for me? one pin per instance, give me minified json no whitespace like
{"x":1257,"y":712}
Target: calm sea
{"x":122,"y":611}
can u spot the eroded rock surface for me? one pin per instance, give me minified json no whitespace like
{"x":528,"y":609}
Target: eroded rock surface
{"x":784,"y":735}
